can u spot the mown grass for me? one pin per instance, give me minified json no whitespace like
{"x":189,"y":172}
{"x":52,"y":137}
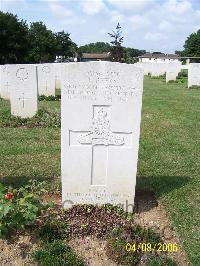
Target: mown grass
{"x":27,"y":153}
{"x":169,"y":156}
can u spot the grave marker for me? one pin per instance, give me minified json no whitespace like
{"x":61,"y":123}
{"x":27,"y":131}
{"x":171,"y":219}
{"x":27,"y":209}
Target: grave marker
{"x":5,"y":82}
{"x":46,"y":79}
{"x":172,"y":71}
{"x":194,"y":74}
{"x":101,"y":112}
{"x":23,"y":93}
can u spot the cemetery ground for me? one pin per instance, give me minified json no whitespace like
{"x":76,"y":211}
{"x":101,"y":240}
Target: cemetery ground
{"x":168,"y":170}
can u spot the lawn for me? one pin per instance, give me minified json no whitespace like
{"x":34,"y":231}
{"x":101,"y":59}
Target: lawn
{"x":169,"y":156}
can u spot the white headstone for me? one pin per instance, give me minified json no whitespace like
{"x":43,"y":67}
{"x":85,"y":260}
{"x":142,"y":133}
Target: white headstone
{"x":172,"y":71}
{"x":5,"y":82}
{"x":194,"y":74}
{"x":23,"y":93}
{"x":158,"y":69}
{"x":58,"y":67}
{"x":46,"y":79}
{"x":101,"y":113}
{"x":147,"y":67}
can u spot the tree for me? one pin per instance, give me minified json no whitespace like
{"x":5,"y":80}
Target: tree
{"x":131,"y":54}
{"x":192,"y":45}
{"x":14,"y":42}
{"x":98,"y":47}
{"x":43,"y":43}
{"x":64,"y":45}
{"x":117,"y":50}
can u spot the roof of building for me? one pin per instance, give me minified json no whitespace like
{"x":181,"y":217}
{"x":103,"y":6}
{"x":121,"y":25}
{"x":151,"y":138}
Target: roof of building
{"x":95,"y":55}
{"x":158,"y":55}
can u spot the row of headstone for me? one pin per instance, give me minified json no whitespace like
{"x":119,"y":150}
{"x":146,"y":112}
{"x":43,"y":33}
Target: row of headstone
{"x":171,"y":70}
{"x":159,"y":69}
{"x":101,"y":112}
{"x":21,"y":84}
{"x":47,"y":78}
{"x":153,"y":69}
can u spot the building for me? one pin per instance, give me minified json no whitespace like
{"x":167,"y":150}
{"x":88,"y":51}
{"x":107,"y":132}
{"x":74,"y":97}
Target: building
{"x":158,"y":58}
{"x":85,"y":57}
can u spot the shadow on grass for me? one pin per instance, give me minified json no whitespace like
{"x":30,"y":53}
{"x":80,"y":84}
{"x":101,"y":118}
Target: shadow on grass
{"x":149,"y":189}
{"x":18,"y":181}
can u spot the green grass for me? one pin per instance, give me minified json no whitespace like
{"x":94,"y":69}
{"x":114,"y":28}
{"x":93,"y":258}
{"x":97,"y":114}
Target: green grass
{"x":169,"y":156}
{"x":27,"y":153}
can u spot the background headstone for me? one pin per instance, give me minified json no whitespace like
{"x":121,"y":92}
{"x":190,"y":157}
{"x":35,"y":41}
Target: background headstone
{"x":158,"y":69}
{"x":101,"y":113}
{"x":5,"y":82}
{"x":194,"y":74}
{"x":57,"y":69}
{"x":23,"y":93}
{"x":46,"y":79}
{"x":172,"y":71}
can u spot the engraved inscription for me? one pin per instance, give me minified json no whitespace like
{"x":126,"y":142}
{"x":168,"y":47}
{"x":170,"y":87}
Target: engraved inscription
{"x":108,"y":93}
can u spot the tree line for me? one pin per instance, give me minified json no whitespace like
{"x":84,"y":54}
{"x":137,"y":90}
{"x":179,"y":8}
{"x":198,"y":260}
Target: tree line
{"x":21,"y":43}
{"x":35,"y":43}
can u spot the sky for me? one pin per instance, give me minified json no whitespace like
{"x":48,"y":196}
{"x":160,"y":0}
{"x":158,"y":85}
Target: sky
{"x":152,"y":25}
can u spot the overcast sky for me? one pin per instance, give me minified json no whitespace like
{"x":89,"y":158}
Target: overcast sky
{"x":153,"y":25}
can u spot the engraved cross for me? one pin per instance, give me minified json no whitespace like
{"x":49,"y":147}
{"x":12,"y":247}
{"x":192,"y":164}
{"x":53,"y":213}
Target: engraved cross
{"x":100,"y":137}
{"x":23,"y":99}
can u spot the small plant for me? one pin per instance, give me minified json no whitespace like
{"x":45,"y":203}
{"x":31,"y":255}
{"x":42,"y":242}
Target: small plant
{"x":53,"y":229}
{"x":49,"y":98}
{"x":42,"y":118}
{"x":195,"y":87}
{"x":57,"y":254}
{"x":19,"y":207}
{"x":161,"y":261}
{"x":159,"y":77}
{"x":118,"y":239}
{"x":182,"y":74}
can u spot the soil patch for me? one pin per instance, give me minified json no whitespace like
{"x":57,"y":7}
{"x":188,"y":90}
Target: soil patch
{"x":148,"y":213}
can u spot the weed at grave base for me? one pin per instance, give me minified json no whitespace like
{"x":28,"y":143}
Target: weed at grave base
{"x":195,"y":87}
{"x":56,"y":254}
{"x":135,"y":237}
{"x":42,"y":118}
{"x":49,"y":98}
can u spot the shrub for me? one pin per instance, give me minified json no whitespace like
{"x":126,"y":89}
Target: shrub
{"x":195,"y":87}
{"x":19,"y":207}
{"x":49,"y":98}
{"x":53,"y":229}
{"x":42,"y":118}
{"x":182,"y":74}
{"x":57,"y":254}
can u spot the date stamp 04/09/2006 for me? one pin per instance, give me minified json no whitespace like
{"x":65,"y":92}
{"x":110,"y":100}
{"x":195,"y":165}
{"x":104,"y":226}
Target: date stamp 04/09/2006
{"x":149,"y":247}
